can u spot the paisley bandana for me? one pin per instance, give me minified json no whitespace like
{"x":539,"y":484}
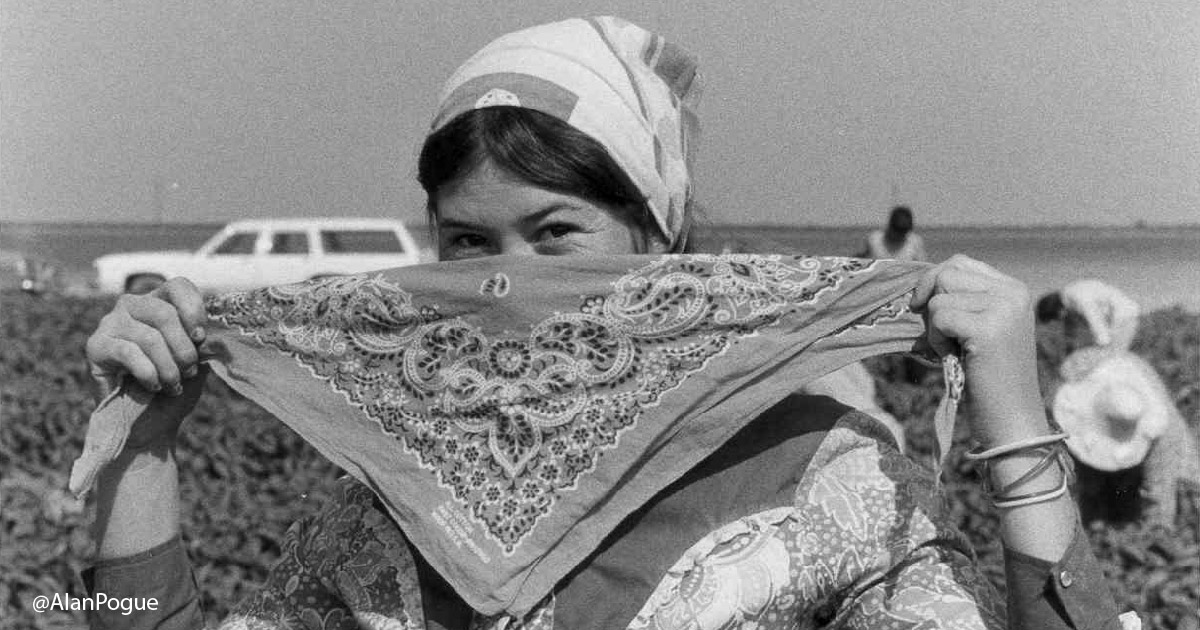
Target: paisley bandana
{"x":623,"y":86}
{"x":510,"y":412}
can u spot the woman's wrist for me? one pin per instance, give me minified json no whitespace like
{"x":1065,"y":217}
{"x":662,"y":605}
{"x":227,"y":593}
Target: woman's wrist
{"x":137,"y":502}
{"x":1038,"y":517}
{"x":135,"y":458}
{"x":980,"y":454}
{"x":1007,"y":469}
{"x":1016,"y":427}
{"x":1005,"y":399}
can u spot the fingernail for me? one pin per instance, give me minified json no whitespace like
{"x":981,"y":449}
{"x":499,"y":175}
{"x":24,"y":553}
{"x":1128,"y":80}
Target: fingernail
{"x":176,"y":389}
{"x":198,"y":334}
{"x":154,"y":387}
{"x":190,"y":372}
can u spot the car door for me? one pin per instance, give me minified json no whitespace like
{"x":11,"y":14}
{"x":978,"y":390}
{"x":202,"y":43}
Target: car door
{"x":228,"y":265}
{"x":285,"y":257}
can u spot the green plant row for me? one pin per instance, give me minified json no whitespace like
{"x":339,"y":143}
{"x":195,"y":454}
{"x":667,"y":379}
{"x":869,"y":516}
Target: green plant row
{"x":245,"y":478}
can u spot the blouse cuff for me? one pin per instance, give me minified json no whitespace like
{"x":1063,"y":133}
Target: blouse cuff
{"x":1074,"y":589}
{"x":163,"y":573}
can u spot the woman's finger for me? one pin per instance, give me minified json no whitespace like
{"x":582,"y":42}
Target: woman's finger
{"x":188,"y":303}
{"x":958,"y":274}
{"x":941,"y":344}
{"x":925,"y":288}
{"x":164,"y":318}
{"x":154,"y":347}
{"x":966,"y":263}
{"x":112,"y":358}
{"x":967,"y":301}
{"x":952,"y":323}
{"x":958,"y":280}
{"x":946,"y":316}
{"x":946,"y":277}
{"x":109,"y":352}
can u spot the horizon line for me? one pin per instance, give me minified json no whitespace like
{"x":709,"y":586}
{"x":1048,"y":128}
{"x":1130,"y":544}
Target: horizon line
{"x":1140,"y":224}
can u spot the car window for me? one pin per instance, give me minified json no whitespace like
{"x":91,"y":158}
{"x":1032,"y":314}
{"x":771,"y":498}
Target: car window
{"x":289,"y":243}
{"x":360,"y":242}
{"x":238,"y":243}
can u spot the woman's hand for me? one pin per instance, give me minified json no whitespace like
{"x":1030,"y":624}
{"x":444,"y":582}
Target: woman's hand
{"x":970,"y":305}
{"x":153,"y":338}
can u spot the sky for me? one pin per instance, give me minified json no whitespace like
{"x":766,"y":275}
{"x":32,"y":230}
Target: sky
{"x":814,"y":113}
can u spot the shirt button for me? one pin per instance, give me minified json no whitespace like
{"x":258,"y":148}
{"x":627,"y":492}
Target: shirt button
{"x":1066,"y":578}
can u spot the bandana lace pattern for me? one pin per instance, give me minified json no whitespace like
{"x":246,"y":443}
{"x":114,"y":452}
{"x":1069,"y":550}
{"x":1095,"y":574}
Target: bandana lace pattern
{"x":507,"y":421}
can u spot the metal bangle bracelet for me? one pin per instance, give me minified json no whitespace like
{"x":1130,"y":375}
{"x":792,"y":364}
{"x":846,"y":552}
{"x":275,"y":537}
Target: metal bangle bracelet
{"x":1042,"y":440}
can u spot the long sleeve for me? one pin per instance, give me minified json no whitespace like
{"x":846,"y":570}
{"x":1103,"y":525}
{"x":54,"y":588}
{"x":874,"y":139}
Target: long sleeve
{"x":898,"y":562}
{"x":1097,"y":322}
{"x":344,"y":568}
{"x":1070,"y":593}
{"x":340,"y":569}
{"x":1125,"y":314}
{"x":913,"y":569}
{"x":298,"y":593}
{"x":939,"y":584}
{"x":162,"y":573}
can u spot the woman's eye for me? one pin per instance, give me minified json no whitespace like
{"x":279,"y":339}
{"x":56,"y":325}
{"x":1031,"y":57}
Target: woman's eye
{"x":555,"y":230}
{"x":468,"y":240}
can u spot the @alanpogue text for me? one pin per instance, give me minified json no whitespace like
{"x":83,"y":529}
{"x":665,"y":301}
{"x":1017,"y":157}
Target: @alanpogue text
{"x":98,"y":601}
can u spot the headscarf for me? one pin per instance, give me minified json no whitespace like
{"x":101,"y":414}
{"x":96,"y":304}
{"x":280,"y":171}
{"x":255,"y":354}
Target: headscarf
{"x":511,"y":411}
{"x":623,"y":86}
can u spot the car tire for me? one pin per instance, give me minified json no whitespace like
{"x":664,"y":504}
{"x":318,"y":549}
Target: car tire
{"x":143,"y":283}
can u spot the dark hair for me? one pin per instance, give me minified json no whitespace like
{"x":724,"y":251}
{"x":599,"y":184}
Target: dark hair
{"x":1049,"y":307}
{"x":535,"y":147}
{"x":901,"y":220}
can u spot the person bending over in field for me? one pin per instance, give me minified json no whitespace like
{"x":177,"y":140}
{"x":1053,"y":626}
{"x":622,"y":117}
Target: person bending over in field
{"x":1106,"y":312}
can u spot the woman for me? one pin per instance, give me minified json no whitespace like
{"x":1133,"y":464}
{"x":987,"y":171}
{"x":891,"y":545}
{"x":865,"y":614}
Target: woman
{"x":1122,"y":419}
{"x":1100,"y":308}
{"x":571,"y":139}
{"x":898,"y":241}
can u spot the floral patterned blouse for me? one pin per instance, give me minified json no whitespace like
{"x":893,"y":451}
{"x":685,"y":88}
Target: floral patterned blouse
{"x":827,"y":526}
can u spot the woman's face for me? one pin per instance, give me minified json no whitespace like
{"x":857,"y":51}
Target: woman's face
{"x":490,"y":213}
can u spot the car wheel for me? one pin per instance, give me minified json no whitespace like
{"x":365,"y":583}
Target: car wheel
{"x":143,"y":283}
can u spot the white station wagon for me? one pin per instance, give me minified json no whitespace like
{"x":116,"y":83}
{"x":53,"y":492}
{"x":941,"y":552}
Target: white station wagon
{"x":256,"y":253}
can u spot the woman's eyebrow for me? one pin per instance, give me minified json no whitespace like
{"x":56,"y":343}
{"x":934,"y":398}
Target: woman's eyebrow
{"x":455,"y":224}
{"x":541,"y":215}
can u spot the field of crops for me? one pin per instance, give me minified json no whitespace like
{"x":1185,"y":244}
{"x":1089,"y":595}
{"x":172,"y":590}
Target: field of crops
{"x":245,"y":477}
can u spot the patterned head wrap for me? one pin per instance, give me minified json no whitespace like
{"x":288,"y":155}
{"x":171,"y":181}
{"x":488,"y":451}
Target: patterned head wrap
{"x":623,"y":86}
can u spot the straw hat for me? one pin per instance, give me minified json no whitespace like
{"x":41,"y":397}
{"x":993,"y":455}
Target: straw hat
{"x":1113,"y":405}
